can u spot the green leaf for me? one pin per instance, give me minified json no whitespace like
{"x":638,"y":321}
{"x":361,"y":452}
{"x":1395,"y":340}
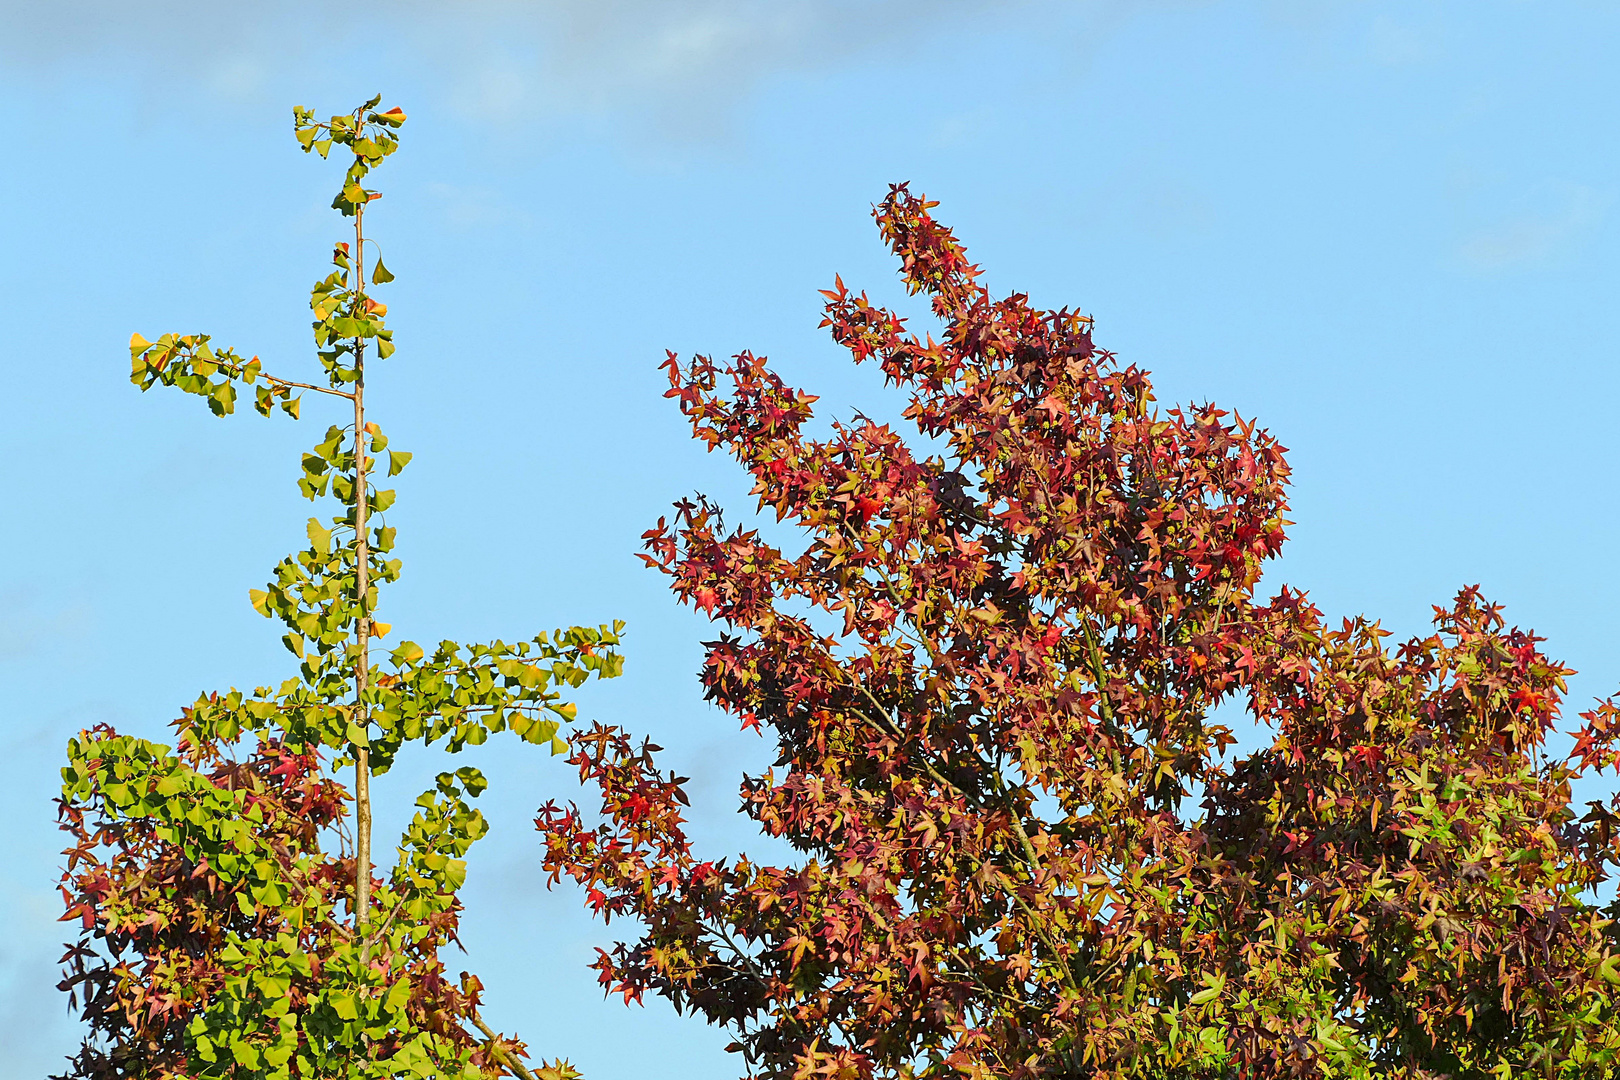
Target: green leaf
{"x":320,"y":538}
{"x":472,"y":780}
{"x":397,"y":460}
{"x":380,"y":275}
{"x":245,"y":1053}
{"x":398,"y":995}
{"x":222,"y":399}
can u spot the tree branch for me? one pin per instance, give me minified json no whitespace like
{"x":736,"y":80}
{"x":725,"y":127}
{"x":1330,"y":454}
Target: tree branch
{"x":517,"y":1067}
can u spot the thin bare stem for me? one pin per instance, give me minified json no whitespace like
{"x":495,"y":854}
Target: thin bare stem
{"x":892,"y":727}
{"x":306,"y":386}
{"x":362,"y":588}
{"x":386,"y":923}
{"x":509,"y":1060}
{"x":280,"y":854}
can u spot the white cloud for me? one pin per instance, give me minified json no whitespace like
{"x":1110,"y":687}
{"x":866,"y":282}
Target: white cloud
{"x":470,"y":207}
{"x":1397,"y":44}
{"x":678,"y":63}
{"x":1535,"y":236}
{"x":25,"y":629}
{"x":960,"y":129}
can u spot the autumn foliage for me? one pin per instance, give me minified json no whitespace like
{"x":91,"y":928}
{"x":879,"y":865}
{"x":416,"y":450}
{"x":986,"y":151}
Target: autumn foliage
{"x":203,"y":895}
{"x":1025,"y":846}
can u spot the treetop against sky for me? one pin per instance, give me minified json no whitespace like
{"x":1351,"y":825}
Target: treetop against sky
{"x":1385,"y":232}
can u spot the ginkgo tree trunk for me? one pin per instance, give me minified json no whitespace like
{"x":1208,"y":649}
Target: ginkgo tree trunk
{"x":232,"y":921}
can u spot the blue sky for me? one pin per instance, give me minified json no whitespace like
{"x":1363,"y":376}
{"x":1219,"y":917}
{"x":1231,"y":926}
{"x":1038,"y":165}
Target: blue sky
{"x":1386,"y":230}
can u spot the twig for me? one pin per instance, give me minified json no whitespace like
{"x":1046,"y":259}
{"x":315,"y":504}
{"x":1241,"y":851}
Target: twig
{"x":509,"y":1060}
{"x":893,"y":728}
{"x":306,"y":386}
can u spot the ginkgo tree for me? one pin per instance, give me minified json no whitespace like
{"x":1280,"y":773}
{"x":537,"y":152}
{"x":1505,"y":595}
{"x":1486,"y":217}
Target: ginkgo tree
{"x":233,"y":923}
{"x":1021,"y":843}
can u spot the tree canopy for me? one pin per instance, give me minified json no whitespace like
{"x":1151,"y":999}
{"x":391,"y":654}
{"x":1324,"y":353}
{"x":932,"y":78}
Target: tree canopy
{"x":232,"y":924}
{"x":1025,"y":845}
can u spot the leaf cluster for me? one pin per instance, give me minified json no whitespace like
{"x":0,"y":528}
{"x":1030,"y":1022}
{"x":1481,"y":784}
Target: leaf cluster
{"x":213,"y":942}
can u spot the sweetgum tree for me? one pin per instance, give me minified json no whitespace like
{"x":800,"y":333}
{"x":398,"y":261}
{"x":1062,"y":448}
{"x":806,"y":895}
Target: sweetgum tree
{"x":232,"y":923}
{"x":1022,"y":849}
